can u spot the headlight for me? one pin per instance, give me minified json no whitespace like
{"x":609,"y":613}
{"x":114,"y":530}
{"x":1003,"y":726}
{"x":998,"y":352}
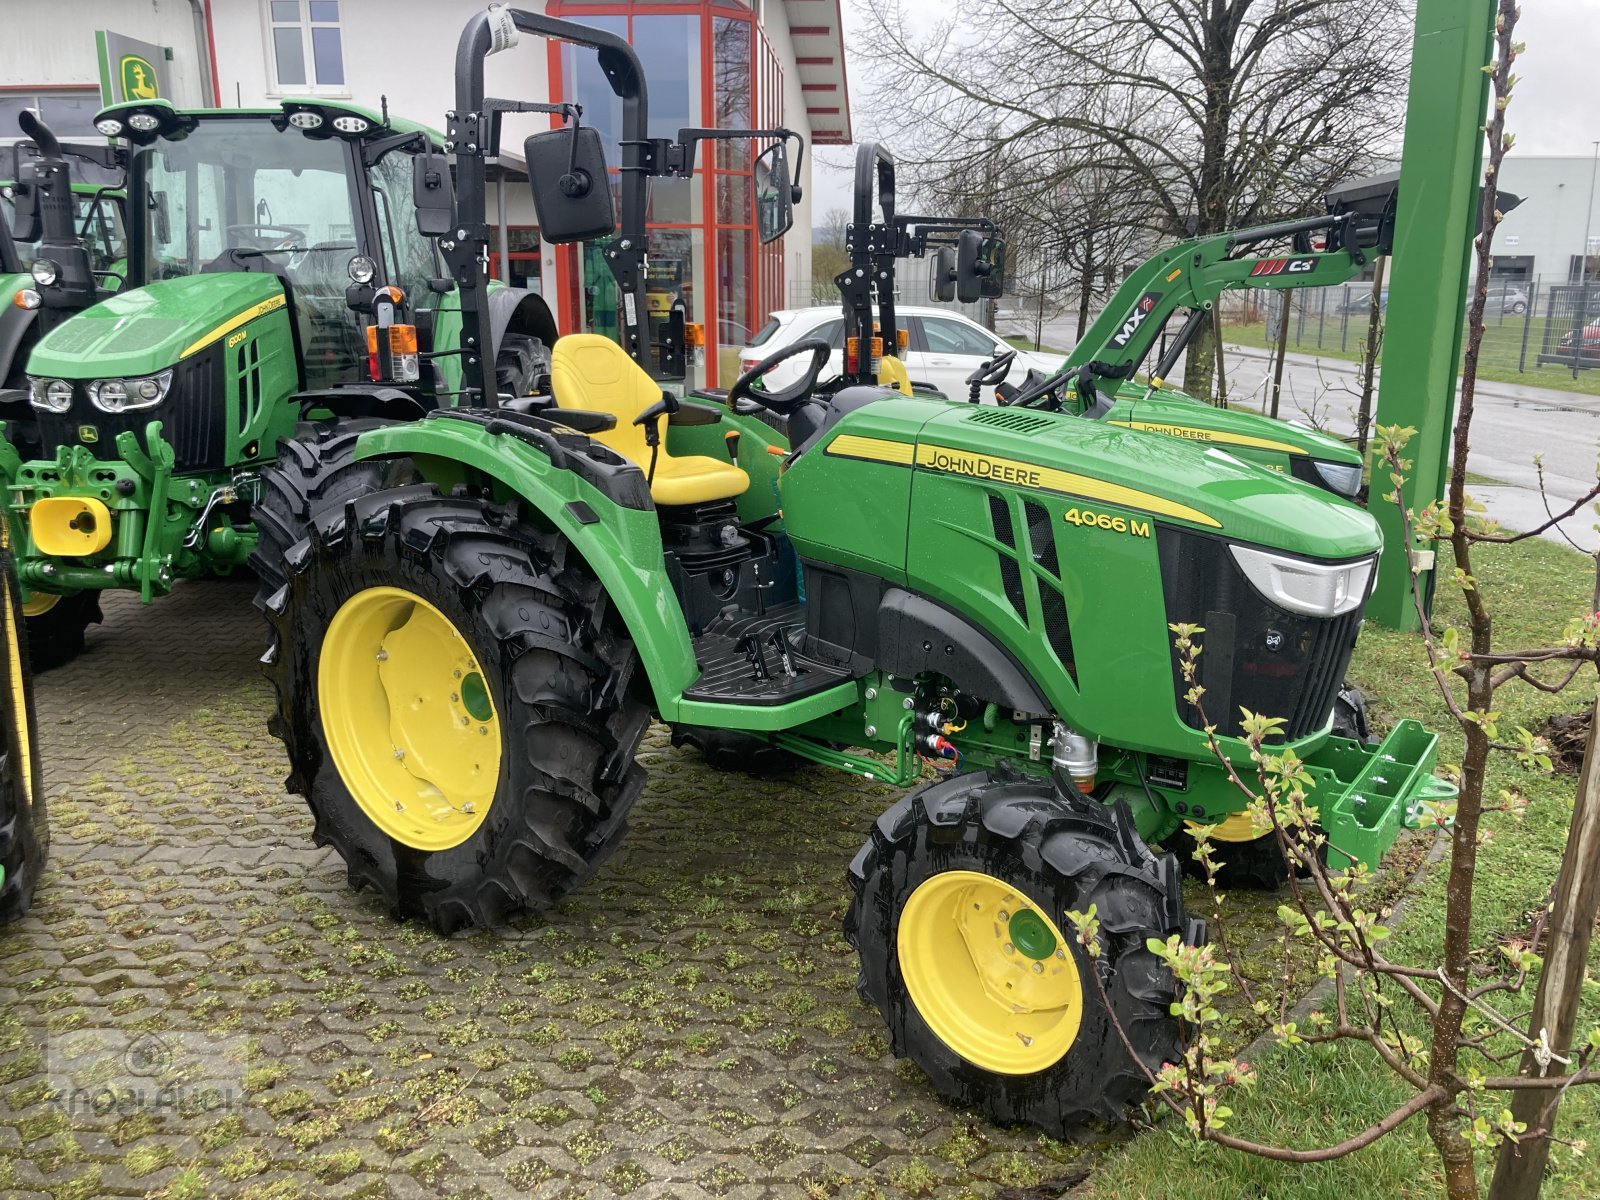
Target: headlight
{"x":351,"y":124}
{"x":144,"y":122}
{"x":109,"y":126}
{"x":1344,"y":478}
{"x":361,"y":268}
{"x":50,"y":395}
{"x":1312,"y":589}
{"x":123,"y":395}
{"x":306,"y":119}
{"x":44,"y":272}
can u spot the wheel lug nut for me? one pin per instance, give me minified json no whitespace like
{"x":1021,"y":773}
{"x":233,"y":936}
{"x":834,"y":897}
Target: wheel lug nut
{"x":483,"y":729}
{"x":454,"y":698}
{"x":1038,"y":968}
{"x":456,"y":674}
{"x":399,"y":753}
{"x":1004,"y":915}
{"x":1061,"y":954}
{"x":1010,"y":949}
{"x":383,"y":656}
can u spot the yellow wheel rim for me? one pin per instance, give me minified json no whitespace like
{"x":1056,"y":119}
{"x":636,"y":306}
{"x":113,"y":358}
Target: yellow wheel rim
{"x":1235,"y":827}
{"x":989,"y":972}
{"x":409,"y":718}
{"x":39,"y":603}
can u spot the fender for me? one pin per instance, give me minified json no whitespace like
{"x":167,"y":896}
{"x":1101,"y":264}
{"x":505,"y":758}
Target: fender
{"x":620,"y":544}
{"x":916,"y":634}
{"x":364,"y":400}
{"x":517,"y":310}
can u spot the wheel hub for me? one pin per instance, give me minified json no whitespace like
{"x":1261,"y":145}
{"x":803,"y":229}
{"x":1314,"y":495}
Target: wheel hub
{"x":409,"y":718}
{"x":990,"y":973}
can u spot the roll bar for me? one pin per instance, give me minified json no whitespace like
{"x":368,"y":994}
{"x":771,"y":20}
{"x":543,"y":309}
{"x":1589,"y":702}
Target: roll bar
{"x":473,"y":131}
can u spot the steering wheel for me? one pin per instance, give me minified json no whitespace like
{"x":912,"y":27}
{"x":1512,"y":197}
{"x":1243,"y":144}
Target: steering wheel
{"x":285,"y":235}
{"x":990,"y":374}
{"x":790,"y":398}
{"x":1029,"y":396}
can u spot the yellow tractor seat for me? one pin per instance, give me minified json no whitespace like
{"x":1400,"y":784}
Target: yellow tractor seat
{"x":593,"y":373}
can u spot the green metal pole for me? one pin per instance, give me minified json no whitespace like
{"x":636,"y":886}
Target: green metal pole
{"x":1439,"y":177}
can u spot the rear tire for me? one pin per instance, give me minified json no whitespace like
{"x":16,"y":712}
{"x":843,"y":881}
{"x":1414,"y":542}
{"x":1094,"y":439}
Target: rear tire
{"x":314,"y":469}
{"x":558,"y":669}
{"x":1064,"y":1063}
{"x":56,"y":635}
{"x":521,"y":365}
{"x":24,"y":820}
{"x":1256,"y":864}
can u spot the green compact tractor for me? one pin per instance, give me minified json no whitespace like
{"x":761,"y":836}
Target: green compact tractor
{"x":24,"y":824}
{"x":267,"y":251}
{"x":466,"y":662}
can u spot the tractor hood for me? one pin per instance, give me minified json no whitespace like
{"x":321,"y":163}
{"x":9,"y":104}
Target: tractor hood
{"x":1168,"y":478}
{"x":1179,"y":415}
{"x":148,"y":329}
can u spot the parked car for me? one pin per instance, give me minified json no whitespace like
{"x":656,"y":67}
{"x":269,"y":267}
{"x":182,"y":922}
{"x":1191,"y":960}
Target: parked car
{"x":1506,"y":299}
{"x":1358,"y":301}
{"x":945,"y":347}
{"x":1569,"y":345}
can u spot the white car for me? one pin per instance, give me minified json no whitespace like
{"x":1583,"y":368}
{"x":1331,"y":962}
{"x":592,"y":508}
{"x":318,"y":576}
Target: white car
{"x":945,"y":348}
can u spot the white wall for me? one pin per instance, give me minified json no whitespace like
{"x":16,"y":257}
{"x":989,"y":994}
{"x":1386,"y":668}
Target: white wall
{"x":50,"y":43}
{"x":1550,"y":222}
{"x":797,"y":243}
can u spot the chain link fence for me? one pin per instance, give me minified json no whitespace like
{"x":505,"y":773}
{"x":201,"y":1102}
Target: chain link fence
{"x":1539,"y":332}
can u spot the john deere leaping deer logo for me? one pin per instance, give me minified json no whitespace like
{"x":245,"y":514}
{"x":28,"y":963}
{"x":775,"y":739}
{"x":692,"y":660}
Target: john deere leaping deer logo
{"x":138,"y":77}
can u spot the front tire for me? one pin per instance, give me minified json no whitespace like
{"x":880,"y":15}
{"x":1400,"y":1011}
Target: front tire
{"x":959,"y":916}
{"x":457,"y":699}
{"x":57,"y":625}
{"x":735,"y":752}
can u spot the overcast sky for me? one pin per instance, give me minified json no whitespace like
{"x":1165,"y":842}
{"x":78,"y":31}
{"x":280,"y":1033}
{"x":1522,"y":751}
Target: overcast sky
{"x":1556,"y":108}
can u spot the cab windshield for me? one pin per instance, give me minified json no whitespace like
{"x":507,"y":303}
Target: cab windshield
{"x":239,"y":194}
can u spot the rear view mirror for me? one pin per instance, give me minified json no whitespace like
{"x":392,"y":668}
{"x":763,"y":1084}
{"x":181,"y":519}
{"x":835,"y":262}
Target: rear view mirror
{"x":160,"y":225}
{"x":942,"y":283}
{"x":433,"y":194}
{"x":980,"y":270}
{"x":25,"y":212}
{"x":994,"y":283}
{"x":571,"y":190}
{"x":774,"y":195}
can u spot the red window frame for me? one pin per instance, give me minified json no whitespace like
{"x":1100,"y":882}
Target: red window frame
{"x":765,"y":287}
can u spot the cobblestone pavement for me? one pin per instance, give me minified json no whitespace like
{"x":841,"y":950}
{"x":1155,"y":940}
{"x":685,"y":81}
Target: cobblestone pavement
{"x":686,"y":1026}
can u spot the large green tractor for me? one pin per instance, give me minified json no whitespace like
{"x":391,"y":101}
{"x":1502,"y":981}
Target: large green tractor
{"x":267,"y":249}
{"x":24,"y":822}
{"x":62,"y":248}
{"x":466,"y":662}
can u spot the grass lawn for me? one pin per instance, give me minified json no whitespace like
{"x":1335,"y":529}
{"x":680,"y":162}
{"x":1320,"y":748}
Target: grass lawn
{"x":1502,"y":350}
{"x":1026,"y":343}
{"x":1318,"y":1096}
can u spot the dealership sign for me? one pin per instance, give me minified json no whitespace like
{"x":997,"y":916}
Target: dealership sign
{"x":129,"y":69}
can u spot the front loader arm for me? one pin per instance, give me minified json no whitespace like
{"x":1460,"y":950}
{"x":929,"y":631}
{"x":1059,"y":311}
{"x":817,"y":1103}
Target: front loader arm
{"x":1194,"y":274}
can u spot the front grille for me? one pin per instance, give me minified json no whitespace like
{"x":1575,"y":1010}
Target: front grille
{"x":193,"y":418}
{"x":1256,"y":655}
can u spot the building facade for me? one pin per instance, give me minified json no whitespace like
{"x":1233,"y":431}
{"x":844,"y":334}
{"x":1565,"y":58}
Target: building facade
{"x":709,"y":63}
{"x":1554,"y":235}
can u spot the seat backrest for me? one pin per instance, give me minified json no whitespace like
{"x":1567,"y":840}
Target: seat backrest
{"x":593,"y":372}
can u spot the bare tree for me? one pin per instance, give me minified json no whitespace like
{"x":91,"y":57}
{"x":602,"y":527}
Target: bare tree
{"x":1203,"y":114}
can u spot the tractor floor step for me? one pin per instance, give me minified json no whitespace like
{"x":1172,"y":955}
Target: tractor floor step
{"x":742,"y":661}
